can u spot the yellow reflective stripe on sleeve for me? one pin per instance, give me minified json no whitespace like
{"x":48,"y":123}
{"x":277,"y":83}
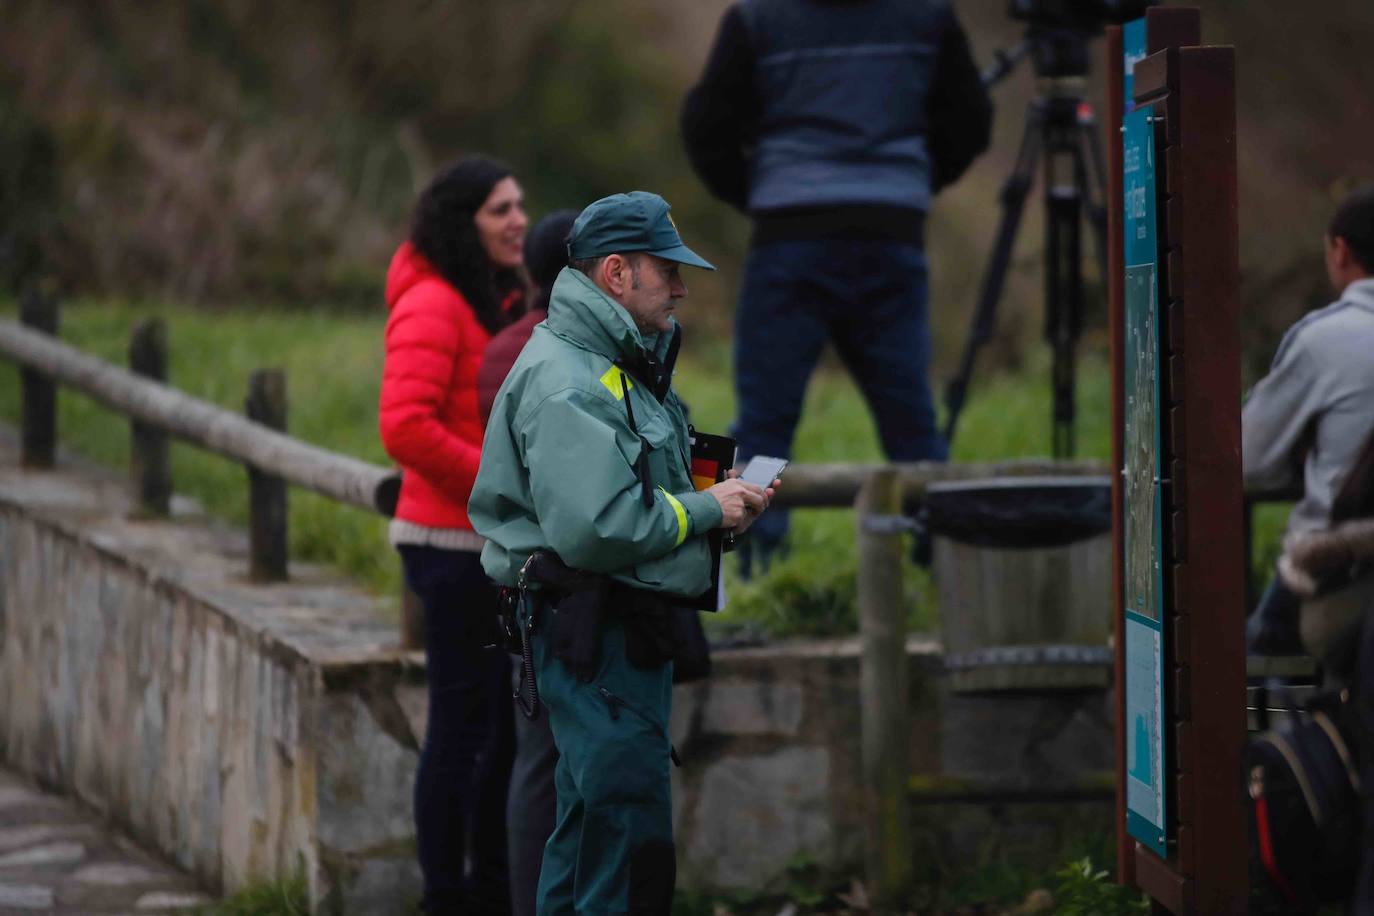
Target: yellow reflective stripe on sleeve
{"x":611,"y":379}
{"x":681,"y":517}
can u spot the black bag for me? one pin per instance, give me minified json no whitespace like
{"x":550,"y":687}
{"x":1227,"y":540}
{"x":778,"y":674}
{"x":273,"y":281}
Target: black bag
{"x":1304,"y":809}
{"x":659,"y":630}
{"x":575,"y":629}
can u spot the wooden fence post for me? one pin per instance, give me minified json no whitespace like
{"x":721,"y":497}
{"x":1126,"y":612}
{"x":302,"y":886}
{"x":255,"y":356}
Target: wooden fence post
{"x":884,"y":692}
{"x":38,"y":310}
{"x":267,"y":493}
{"x":150,"y":469}
{"x":388,"y":494}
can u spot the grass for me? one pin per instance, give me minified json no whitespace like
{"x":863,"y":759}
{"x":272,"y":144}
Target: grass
{"x":333,"y":367}
{"x":1075,"y":888}
{"x":282,"y":898}
{"x":333,"y":364}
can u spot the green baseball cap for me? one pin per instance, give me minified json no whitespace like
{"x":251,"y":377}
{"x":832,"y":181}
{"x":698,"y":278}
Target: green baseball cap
{"x":621,"y":223}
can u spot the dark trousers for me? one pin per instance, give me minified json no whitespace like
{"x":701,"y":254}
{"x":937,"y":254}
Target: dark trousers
{"x":532,"y":805}
{"x":611,"y":851}
{"x":1363,"y":689}
{"x":1272,"y":628}
{"x":460,"y":786}
{"x":868,"y":298}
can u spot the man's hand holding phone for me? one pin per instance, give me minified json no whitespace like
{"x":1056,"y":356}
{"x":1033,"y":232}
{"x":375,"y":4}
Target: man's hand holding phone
{"x":743,"y":496}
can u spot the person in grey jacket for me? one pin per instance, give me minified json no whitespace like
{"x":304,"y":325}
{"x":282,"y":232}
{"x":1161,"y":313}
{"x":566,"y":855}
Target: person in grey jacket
{"x":1306,"y":420}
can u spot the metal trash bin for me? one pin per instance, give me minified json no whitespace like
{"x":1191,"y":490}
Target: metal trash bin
{"x":1023,"y":572}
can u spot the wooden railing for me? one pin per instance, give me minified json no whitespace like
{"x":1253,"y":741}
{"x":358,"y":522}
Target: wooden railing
{"x":158,"y":410}
{"x":880,"y":494}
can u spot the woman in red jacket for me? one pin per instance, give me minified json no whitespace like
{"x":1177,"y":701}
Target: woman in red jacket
{"x":454,"y":283}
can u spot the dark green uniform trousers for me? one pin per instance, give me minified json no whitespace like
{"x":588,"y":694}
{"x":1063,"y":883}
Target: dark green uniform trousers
{"x":611,"y":851}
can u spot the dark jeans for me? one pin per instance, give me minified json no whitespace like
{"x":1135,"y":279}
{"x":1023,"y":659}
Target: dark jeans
{"x":460,"y":787}
{"x":868,"y":298}
{"x":1272,"y":628}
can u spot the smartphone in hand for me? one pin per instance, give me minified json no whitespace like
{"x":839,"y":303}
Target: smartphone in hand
{"x":763,"y":470}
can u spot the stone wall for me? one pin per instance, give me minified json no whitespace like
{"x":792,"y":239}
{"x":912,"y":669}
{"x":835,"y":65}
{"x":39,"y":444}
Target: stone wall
{"x":247,"y":732}
{"x":772,"y":774}
{"x":250,"y":732}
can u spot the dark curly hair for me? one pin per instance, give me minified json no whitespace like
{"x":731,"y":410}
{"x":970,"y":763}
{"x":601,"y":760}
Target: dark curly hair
{"x":444,"y":232}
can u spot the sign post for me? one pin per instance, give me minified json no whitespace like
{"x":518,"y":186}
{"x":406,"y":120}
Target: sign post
{"x":1176,"y":446}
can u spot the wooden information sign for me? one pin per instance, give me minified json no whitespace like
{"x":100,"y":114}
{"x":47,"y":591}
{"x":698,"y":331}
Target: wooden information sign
{"x":1177,"y":510}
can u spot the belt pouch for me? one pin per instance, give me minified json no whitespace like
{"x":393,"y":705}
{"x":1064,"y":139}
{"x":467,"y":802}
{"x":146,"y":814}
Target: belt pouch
{"x":648,"y":624}
{"x":691,"y":652}
{"x":575,"y":629}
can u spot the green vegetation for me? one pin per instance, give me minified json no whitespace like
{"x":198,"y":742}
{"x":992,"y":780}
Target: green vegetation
{"x":1086,"y":891}
{"x":333,"y":367}
{"x":1076,"y":889}
{"x":282,"y":898}
{"x":333,"y":364}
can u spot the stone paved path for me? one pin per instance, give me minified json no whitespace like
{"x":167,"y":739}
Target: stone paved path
{"x":57,"y":858}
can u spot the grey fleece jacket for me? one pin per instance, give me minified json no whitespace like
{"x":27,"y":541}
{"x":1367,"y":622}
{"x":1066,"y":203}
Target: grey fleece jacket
{"x":1315,"y":408}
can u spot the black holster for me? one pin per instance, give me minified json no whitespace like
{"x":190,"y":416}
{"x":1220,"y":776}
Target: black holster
{"x":575,"y":603}
{"x":657,"y":629}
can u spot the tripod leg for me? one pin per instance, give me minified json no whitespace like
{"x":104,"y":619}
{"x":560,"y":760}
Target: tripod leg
{"x":1092,"y":185}
{"x":1063,"y":302}
{"x":1013,"y":203}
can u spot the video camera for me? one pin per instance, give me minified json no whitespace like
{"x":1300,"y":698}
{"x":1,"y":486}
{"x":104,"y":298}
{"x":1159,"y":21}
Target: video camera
{"x":1058,"y":32}
{"x":1079,"y":15}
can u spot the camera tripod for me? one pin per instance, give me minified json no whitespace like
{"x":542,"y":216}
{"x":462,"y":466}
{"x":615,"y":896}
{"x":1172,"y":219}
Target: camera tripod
{"x":1062,"y":130}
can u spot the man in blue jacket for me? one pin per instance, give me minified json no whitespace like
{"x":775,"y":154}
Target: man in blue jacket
{"x":833,"y":123}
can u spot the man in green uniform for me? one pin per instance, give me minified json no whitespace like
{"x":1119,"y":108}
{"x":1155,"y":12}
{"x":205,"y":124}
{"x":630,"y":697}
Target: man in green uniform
{"x":587,"y":456}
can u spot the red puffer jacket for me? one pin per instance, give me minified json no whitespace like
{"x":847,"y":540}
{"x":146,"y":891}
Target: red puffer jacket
{"x":429,"y":421}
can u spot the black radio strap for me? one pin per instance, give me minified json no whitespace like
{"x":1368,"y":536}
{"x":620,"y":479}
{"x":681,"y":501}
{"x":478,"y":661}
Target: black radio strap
{"x":646,"y":483}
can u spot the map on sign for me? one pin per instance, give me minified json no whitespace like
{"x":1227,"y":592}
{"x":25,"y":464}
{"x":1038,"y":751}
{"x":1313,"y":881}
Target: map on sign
{"x":1142,"y":501}
{"x":1141,"y":455}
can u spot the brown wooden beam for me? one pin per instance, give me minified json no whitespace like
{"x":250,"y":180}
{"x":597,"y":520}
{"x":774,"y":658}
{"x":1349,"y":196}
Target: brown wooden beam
{"x":884,"y":717}
{"x":1157,"y":878}
{"x":1116,"y":297}
{"x":267,"y":510}
{"x":1207,"y":191}
{"x":38,"y":393}
{"x":832,"y":485}
{"x":1155,"y":76}
{"x":347,"y":480}
{"x":150,"y":470}
{"x":1172,"y":27}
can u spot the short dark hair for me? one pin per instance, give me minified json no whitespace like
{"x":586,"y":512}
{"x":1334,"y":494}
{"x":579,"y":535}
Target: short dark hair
{"x":546,"y":254}
{"x":588,"y":265}
{"x":546,"y":247}
{"x":1354,"y":222}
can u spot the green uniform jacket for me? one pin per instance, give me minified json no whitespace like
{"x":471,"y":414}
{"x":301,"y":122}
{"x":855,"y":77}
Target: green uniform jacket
{"x":558,"y":461}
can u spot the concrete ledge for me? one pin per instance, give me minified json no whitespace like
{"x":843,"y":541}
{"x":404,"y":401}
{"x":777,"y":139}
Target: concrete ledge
{"x":252,"y":731}
{"x":246,"y":731}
